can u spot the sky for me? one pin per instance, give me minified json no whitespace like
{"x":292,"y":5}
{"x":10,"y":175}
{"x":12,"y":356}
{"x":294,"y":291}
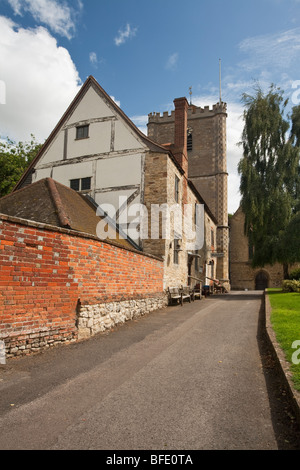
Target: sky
{"x":144,"y":54}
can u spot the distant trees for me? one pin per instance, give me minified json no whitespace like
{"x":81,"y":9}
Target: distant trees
{"x":14,"y":160}
{"x":270,"y":177}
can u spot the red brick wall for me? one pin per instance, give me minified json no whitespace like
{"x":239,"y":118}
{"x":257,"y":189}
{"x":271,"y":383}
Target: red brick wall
{"x":43,"y":274}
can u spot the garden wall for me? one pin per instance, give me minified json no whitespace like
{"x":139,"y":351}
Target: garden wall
{"x":58,"y":285}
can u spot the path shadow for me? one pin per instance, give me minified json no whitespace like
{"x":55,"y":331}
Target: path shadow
{"x":285,"y":425}
{"x":233,"y":296}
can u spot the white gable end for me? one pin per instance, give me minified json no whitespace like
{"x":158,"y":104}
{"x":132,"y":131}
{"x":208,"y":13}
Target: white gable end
{"x":54,"y":153}
{"x":91,"y":106}
{"x":107,"y":132}
{"x":96,"y":149}
{"x":125,"y":139}
{"x":108,"y":156}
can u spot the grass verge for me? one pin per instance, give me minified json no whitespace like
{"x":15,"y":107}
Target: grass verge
{"x":285,"y":320}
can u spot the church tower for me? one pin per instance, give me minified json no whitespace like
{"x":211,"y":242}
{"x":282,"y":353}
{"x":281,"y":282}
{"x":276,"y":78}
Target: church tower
{"x":207,"y":165}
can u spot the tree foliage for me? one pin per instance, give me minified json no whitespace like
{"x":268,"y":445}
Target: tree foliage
{"x":14,"y":160}
{"x":289,"y":248}
{"x":269,"y":171}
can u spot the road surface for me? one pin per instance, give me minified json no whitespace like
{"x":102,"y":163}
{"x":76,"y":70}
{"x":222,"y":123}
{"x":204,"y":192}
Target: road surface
{"x":197,"y":377}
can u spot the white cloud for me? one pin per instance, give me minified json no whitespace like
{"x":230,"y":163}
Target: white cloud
{"x":41,"y":80}
{"x":141,"y":122}
{"x":2,"y":92}
{"x":235,"y":126}
{"x":118,"y":103}
{"x":56,"y":15}
{"x":93,"y":58}
{"x":172,"y":61}
{"x":270,"y":58}
{"x":125,"y":34}
{"x":279,"y":50}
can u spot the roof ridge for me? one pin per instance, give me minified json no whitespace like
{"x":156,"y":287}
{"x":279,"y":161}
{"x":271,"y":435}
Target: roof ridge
{"x":61,"y":213}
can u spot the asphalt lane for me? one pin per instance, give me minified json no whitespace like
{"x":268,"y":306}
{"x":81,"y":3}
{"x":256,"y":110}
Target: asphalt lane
{"x":196,"y":377}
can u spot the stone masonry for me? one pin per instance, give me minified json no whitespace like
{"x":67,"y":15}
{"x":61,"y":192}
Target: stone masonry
{"x":93,"y":319}
{"x":207,"y":165}
{"x":242,"y":274}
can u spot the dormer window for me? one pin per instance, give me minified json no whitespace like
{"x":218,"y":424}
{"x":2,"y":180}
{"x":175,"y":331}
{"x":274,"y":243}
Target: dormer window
{"x":82,"y":132}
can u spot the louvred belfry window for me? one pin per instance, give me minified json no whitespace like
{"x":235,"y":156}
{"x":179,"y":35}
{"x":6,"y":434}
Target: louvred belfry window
{"x":189,"y":140}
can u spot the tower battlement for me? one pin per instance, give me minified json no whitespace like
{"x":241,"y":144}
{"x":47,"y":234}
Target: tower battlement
{"x":193,"y":112}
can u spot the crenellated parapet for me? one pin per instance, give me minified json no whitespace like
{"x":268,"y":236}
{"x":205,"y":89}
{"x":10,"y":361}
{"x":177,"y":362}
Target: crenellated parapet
{"x":193,"y":112}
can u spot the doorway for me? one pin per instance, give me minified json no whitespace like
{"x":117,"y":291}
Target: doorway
{"x":261,"y":281}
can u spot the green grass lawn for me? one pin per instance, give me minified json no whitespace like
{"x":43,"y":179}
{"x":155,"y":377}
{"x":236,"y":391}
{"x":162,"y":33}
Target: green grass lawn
{"x":285,"y":320}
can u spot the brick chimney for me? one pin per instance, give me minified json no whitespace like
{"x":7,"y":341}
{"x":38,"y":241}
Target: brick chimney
{"x":180,"y":137}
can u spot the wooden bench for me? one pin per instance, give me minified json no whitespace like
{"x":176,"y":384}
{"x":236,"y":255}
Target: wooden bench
{"x":174,"y":294}
{"x":179,"y":294}
{"x":219,"y":288}
{"x":197,"y":292}
{"x":187,"y":293}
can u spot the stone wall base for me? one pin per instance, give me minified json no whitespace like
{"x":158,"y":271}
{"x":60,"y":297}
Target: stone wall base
{"x":27,"y":343}
{"x":93,"y":319}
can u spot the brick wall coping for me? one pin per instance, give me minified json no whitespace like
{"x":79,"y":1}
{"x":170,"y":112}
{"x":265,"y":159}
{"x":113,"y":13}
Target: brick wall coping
{"x":74,"y":233}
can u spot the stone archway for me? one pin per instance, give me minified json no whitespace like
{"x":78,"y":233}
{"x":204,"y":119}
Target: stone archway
{"x":261,"y":280}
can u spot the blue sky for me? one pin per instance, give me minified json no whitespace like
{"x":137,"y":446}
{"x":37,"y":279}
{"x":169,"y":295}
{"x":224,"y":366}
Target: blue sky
{"x":144,"y":54}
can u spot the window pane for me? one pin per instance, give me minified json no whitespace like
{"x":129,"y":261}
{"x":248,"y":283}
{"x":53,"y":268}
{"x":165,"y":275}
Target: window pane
{"x":85,"y":184}
{"x":212,"y":236}
{"x":176,"y":188}
{"x":82,"y":132}
{"x":74,"y":184}
{"x":176,"y":248}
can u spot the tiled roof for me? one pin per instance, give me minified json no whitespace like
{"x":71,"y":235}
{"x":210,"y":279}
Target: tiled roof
{"x":52,"y":203}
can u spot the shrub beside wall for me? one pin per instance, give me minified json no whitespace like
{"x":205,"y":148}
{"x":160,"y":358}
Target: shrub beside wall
{"x":291,"y":286}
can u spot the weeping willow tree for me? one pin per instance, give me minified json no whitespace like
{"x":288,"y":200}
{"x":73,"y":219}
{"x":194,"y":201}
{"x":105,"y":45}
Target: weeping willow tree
{"x":269,"y":174}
